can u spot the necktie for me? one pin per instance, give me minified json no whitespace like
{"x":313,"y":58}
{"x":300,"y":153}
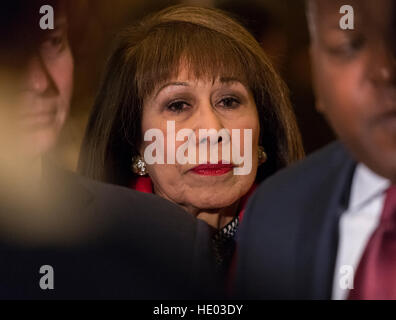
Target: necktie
{"x":375,"y":277}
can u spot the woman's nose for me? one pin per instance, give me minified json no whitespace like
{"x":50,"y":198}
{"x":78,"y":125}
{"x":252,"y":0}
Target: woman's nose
{"x":209,"y":119}
{"x":37,"y":78}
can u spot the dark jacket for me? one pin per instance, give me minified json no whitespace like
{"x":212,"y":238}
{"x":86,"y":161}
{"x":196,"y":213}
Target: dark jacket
{"x":289,"y":236}
{"x":126,"y":245}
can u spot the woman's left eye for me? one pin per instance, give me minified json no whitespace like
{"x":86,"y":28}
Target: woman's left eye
{"x":53,"y":45}
{"x":178,"y":106}
{"x":229,"y":103}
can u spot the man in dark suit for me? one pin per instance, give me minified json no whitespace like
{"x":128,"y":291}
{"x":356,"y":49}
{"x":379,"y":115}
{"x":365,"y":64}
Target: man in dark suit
{"x":324,"y":228}
{"x":103,"y":242}
{"x":61,"y":235}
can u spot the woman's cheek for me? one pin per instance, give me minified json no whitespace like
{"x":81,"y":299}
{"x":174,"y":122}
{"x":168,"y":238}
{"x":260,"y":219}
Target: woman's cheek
{"x":167,"y":180}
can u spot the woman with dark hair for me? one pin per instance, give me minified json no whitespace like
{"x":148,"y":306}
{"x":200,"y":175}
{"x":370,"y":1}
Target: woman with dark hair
{"x":193,"y":68}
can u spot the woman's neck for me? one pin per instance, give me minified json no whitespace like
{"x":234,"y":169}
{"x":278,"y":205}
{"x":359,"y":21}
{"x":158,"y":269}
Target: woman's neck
{"x":216,"y":218}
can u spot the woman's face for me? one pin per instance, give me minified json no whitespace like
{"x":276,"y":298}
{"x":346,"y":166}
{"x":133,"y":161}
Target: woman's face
{"x":45,"y":91}
{"x":196,"y":105}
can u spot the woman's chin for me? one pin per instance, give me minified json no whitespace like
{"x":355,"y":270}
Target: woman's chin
{"x":214,"y":201}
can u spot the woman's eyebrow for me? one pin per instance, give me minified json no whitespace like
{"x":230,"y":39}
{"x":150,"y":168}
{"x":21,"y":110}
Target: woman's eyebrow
{"x":185,"y":84}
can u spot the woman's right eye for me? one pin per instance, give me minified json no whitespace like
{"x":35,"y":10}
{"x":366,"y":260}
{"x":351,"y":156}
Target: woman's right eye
{"x":178,"y":106}
{"x":54,"y":44}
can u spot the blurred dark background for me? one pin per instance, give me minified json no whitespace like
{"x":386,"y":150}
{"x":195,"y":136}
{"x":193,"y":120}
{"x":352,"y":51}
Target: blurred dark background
{"x":279,"y":25}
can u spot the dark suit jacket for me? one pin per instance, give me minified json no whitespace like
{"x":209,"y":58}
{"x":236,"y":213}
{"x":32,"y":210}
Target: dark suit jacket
{"x":128,"y":245}
{"x":289,"y":235}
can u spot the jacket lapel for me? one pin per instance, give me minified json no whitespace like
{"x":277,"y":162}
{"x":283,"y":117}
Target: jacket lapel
{"x":318,"y":233}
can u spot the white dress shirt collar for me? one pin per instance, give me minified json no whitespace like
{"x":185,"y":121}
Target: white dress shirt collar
{"x":366,"y":185}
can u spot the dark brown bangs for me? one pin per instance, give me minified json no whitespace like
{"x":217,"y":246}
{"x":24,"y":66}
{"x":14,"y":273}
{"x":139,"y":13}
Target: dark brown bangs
{"x":207,"y":55}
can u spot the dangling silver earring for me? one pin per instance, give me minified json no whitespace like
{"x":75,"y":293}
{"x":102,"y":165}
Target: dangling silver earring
{"x":262,"y":156}
{"x":139,"y":166}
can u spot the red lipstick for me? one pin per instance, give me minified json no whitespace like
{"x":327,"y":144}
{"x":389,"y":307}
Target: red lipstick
{"x":212,"y":169}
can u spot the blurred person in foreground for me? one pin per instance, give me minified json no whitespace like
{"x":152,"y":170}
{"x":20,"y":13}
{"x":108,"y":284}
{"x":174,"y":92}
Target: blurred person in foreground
{"x":102,"y":241}
{"x":194,"y":69}
{"x":325,"y":228}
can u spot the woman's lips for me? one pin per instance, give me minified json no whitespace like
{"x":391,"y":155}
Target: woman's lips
{"x":212,"y":169}
{"x":38,"y":119}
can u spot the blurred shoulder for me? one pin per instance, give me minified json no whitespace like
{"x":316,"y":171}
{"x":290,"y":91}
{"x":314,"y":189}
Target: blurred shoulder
{"x":295,"y":191}
{"x":307,"y":173}
{"x":108,"y":194}
{"x":120,"y":208}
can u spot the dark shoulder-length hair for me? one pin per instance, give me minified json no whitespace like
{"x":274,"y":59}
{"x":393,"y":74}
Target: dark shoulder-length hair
{"x":213,"y":45}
